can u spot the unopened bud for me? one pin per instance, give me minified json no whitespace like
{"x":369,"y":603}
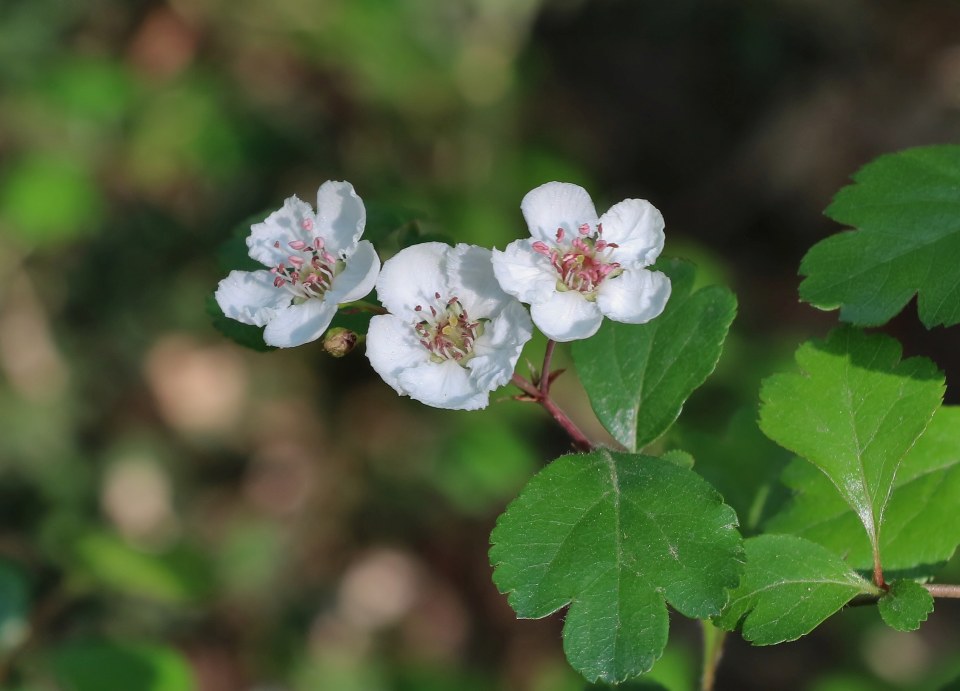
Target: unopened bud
{"x":339,"y":341}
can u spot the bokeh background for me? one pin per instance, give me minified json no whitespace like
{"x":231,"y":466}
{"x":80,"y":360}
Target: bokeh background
{"x":178,"y":512}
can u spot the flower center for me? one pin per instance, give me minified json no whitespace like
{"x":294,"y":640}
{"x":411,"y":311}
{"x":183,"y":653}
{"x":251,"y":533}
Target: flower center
{"x":582,"y":264}
{"x":448,"y":333}
{"x":308,"y":271}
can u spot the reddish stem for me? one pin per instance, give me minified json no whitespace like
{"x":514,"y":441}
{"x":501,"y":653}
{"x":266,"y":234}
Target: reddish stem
{"x":878,"y":570}
{"x":545,"y":370}
{"x":541,"y":395}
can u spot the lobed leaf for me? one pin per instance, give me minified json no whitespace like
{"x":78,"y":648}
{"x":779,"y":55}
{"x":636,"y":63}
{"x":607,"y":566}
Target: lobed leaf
{"x":854,"y":411}
{"x":921,"y":525}
{"x":638,"y":376}
{"x":616,"y":537}
{"x":790,"y":586}
{"x":907,"y":208}
{"x":905,"y":605}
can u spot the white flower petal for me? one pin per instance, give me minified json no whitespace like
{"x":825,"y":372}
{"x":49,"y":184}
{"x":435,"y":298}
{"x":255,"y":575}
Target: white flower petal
{"x":637,"y":227}
{"x":496,"y":352}
{"x":269,"y":241}
{"x":358,"y":276}
{"x":523,"y":273}
{"x":340,"y":216}
{"x":250,"y":297}
{"x":412,"y":277}
{"x":567,"y":316}
{"x":470,"y":279}
{"x":443,"y":385}
{"x":299,"y":324}
{"x":636,"y":296}
{"x":557,"y":205}
{"x":392,"y":347}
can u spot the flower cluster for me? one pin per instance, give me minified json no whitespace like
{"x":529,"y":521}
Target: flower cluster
{"x":453,"y":326}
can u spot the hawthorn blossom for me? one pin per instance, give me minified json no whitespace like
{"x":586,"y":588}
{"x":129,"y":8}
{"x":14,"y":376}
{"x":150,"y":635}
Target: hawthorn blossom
{"x":316,"y":262}
{"x":452,"y":335}
{"x":577,"y":268}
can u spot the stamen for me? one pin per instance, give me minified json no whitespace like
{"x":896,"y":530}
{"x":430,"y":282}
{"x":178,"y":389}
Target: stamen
{"x":584,"y":263}
{"x":449,"y":334}
{"x":311,"y":272}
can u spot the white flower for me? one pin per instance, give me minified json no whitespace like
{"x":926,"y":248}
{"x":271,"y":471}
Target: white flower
{"x":576,"y":267}
{"x":452,"y":335}
{"x":316,"y":263}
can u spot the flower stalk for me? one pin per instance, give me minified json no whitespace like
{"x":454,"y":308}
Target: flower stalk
{"x":539,"y":393}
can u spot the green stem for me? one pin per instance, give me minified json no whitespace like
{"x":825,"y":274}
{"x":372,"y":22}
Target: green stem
{"x":713,"y":639}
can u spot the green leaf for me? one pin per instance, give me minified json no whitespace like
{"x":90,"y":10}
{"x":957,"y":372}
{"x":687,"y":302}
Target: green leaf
{"x":906,"y":605}
{"x":854,"y":412}
{"x":791,"y":585}
{"x":920,"y":525}
{"x":907,"y":208}
{"x":95,"y":666}
{"x":14,"y":605}
{"x":629,"y":686}
{"x":682,"y":458}
{"x":614,"y":536}
{"x":639,"y":375}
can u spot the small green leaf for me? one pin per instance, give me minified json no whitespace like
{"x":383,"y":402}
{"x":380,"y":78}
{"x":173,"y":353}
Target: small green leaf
{"x":678,"y":456}
{"x":616,"y":536}
{"x":791,"y":585}
{"x":920,"y":525}
{"x":639,"y":375}
{"x":854,"y":412}
{"x":95,"y":666}
{"x":907,"y":208}
{"x":906,"y":605}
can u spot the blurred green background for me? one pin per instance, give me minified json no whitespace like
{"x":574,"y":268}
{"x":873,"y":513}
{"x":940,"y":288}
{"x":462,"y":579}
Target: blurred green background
{"x":178,"y":513}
